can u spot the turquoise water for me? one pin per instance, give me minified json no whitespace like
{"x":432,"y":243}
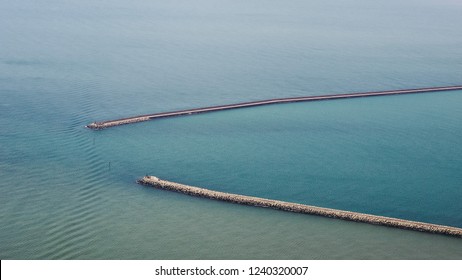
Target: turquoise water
{"x":67,"y":192}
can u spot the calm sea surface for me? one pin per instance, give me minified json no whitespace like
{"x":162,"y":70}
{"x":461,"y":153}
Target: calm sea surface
{"x":70,"y":193}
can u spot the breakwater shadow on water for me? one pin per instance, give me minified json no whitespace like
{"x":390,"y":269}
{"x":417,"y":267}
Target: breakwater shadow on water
{"x":300,"y":208}
{"x":148,"y":117}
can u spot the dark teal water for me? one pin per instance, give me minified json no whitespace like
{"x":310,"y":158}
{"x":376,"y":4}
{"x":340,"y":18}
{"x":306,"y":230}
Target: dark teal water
{"x":67,"y":192}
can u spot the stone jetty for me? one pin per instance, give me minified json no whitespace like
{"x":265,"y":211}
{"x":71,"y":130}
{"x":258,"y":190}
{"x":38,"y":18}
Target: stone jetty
{"x":142,"y":118}
{"x":300,"y":208}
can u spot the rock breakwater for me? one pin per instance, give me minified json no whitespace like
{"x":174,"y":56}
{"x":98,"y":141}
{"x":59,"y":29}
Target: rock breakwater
{"x":142,"y":118}
{"x":300,"y":208}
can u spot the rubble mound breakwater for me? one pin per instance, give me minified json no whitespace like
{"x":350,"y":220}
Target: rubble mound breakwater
{"x":300,"y":208}
{"x":142,"y":118}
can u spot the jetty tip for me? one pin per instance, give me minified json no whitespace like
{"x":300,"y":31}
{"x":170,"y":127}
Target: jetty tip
{"x":148,"y":178}
{"x":93,"y":125}
{"x":152,"y":178}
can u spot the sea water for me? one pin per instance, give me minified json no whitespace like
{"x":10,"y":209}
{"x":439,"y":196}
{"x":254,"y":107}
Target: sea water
{"x":67,"y":192}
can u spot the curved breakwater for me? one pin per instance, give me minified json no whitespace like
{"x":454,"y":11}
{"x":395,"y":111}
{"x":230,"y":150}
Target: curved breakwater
{"x":300,"y":208}
{"x":142,"y":118}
